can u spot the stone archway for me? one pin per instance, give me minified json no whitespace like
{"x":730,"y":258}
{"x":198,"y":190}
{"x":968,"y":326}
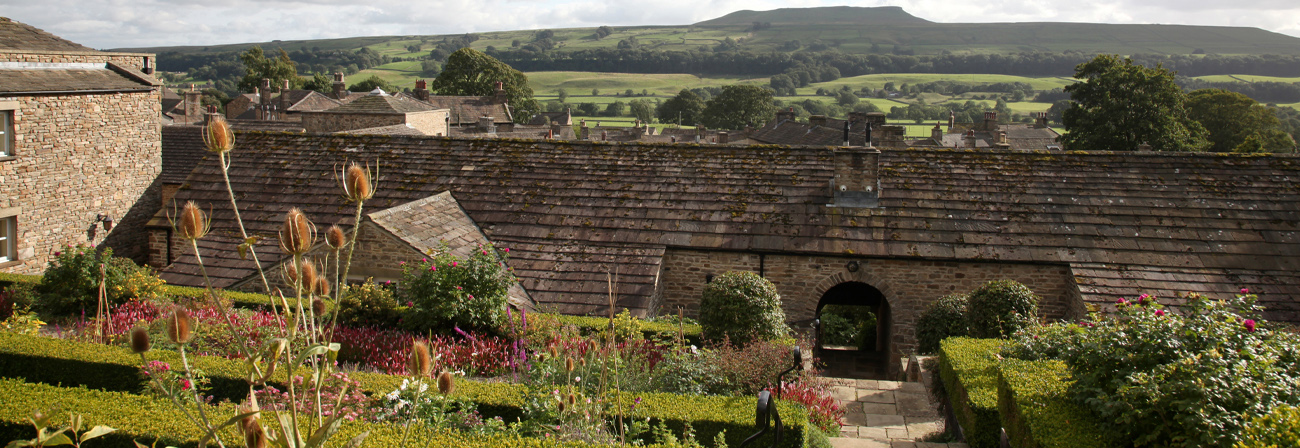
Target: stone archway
{"x":870,"y":357}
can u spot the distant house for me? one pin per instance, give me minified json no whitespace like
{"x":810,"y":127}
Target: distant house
{"x":79,"y":147}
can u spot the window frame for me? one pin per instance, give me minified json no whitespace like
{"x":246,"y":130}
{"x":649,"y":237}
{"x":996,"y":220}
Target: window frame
{"x":8,"y":237}
{"x":8,"y":129}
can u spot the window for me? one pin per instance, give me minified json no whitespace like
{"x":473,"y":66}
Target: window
{"x":8,"y":251}
{"x":6,"y":133}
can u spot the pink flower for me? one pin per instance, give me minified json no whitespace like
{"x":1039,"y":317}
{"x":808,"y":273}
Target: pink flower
{"x":1245,"y":290}
{"x":485,"y":252}
{"x":1160,"y":312}
{"x":471,"y":296}
{"x":1121,"y":302}
{"x":432,"y":268}
{"x":57,"y":253}
{"x":459,"y":288}
{"x":507,"y":250}
{"x":401,"y":263}
{"x":454,"y":264}
{"x":185,"y":385}
{"x":1250,"y":325}
{"x":424,"y":260}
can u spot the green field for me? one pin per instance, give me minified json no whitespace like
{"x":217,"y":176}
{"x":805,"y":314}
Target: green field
{"x":581,"y":83}
{"x":878,"y":81}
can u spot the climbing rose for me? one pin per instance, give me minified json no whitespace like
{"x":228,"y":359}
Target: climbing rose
{"x":1160,"y":312}
{"x":1245,"y":291}
{"x":1250,"y":325}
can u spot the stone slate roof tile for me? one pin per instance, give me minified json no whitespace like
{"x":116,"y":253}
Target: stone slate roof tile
{"x":16,"y":35}
{"x":1209,"y":214}
{"x":182,"y":150}
{"x":58,"y":79}
{"x":380,"y":104}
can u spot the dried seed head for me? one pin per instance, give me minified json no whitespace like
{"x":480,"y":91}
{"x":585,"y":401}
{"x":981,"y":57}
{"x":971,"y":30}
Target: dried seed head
{"x":247,"y":406}
{"x":217,"y":135}
{"x":446,"y":383}
{"x":297,"y":234}
{"x":318,"y":307}
{"x":555,"y":353}
{"x":334,"y":237}
{"x":139,"y":340}
{"x":568,"y":364}
{"x":582,"y":361}
{"x":356,"y":183}
{"x":304,"y":275}
{"x":193,"y":222}
{"x":255,"y":436}
{"x":322,"y":286}
{"x":561,"y":406}
{"x":573,"y":399}
{"x":419,"y":363}
{"x":179,"y":325}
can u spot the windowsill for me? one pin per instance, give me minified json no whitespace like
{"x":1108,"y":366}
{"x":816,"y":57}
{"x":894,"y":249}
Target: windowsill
{"x":8,"y":158}
{"x":10,"y":263}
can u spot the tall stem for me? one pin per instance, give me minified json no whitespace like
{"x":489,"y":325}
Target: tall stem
{"x":352,"y":246}
{"x":293,"y":396}
{"x":175,"y":402}
{"x":225,"y":173}
{"x":212,"y":295}
{"x":198,"y":400}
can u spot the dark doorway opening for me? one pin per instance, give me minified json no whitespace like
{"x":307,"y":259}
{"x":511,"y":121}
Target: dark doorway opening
{"x":853,"y":331}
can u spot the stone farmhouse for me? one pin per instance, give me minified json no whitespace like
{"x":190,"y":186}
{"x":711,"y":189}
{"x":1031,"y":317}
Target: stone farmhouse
{"x":890,"y":229}
{"x":79,"y":147}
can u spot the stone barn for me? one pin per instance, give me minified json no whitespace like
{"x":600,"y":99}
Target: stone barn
{"x":892,"y":230}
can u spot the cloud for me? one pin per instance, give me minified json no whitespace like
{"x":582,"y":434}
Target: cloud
{"x":147,"y":23}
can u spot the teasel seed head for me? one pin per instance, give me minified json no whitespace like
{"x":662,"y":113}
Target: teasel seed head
{"x":304,"y":273}
{"x":561,"y":406}
{"x":573,"y":399}
{"x":192,"y":224}
{"x":555,"y":353}
{"x":218,"y":137}
{"x":255,"y":436}
{"x":140,"y":340}
{"x":568,"y":364}
{"x":446,"y":383}
{"x":582,"y":362}
{"x":179,"y":325}
{"x":357,"y":185}
{"x":249,"y":405}
{"x":297,"y":234}
{"x":419,"y":363}
{"x":334,"y":237}
{"x":318,"y":307}
{"x":322,"y":286}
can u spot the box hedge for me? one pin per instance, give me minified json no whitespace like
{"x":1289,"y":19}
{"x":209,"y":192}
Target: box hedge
{"x":589,"y":325}
{"x":969,"y":371}
{"x":1037,"y":412}
{"x":115,"y":369}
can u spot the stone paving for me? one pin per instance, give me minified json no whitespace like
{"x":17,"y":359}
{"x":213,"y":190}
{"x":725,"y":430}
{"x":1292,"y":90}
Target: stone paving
{"x":886,"y":414}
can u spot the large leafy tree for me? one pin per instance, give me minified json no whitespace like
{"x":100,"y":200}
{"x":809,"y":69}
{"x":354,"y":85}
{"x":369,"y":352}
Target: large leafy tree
{"x":471,"y":72}
{"x":1233,"y":118}
{"x":258,"y":67}
{"x":739,"y":106}
{"x":1121,"y":105}
{"x":372,"y":83}
{"x":683,"y":109}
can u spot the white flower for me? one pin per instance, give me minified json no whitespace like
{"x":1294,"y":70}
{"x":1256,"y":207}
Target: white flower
{"x":577,"y":378}
{"x":392,"y":396}
{"x":423,"y":387}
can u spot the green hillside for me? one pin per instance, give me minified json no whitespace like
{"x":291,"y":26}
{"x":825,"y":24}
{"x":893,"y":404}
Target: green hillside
{"x":885,"y":15}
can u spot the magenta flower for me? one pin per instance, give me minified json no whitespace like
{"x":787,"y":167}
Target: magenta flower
{"x":485,"y":252}
{"x":401,"y":263}
{"x":507,"y":250}
{"x":459,"y":288}
{"x":1121,"y":302}
{"x":1245,"y":290}
{"x":433,"y":268}
{"x":1250,"y":325}
{"x":185,"y":385}
{"x":1160,"y":312}
{"x":471,"y":297}
{"x":454,"y":264}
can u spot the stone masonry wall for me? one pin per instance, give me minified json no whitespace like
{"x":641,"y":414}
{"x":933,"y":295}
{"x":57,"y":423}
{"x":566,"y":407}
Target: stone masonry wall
{"x":77,"y":156}
{"x":329,"y":122}
{"x":378,"y":255}
{"x":135,"y":60}
{"x":433,"y":122}
{"x":908,"y":285}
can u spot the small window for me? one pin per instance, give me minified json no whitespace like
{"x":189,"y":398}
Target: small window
{"x":7,"y":233}
{"x":6,"y":133}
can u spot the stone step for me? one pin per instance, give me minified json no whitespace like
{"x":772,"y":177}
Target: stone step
{"x":846,"y":442}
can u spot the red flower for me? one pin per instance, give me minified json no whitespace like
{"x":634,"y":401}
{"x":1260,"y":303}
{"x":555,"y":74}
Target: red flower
{"x":1160,"y":312}
{"x":185,"y":385}
{"x":1250,"y":325}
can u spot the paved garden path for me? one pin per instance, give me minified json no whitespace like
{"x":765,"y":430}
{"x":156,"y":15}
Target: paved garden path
{"x":887,"y":414}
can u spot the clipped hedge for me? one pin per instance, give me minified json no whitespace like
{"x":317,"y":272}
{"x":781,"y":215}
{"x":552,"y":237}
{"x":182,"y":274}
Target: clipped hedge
{"x":588,"y":325}
{"x":1037,"y":412}
{"x":115,"y":369}
{"x":7,"y":279}
{"x":240,"y":299}
{"x":969,"y":371}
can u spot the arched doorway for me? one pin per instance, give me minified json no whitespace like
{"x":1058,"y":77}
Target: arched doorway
{"x":853,"y":331}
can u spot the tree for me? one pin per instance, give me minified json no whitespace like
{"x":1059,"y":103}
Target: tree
{"x":643,"y":110}
{"x":615,"y":109}
{"x":1058,"y":108}
{"x":1267,"y":140}
{"x":683,"y":109}
{"x":319,"y":82}
{"x":258,"y":67}
{"x":603,"y":31}
{"x":739,"y":106}
{"x":564,"y":95}
{"x":1121,"y":105}
{"x":588,"y":109}
{"x":846,"y":98}
{"x":429,"y":67}
{"x":1230,"y":117}
{"x":470,"y":72}
{"x":372,"y":83}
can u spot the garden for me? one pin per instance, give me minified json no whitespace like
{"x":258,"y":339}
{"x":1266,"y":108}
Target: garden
{"x":100,"y":351}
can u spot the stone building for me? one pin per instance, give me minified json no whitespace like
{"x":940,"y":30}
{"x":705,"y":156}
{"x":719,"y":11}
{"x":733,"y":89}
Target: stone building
{"x":379,"y":113}
{"x":80,"y":149}
{"x":892,"y":229}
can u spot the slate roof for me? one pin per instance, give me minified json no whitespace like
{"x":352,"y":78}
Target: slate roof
{"x":16,"y":35}
{"x":69,"y":79}
{"x":466,"y":110}
{"x":310,"y":100}
{"x":182,"y":150}
{"x":573,"y":211}
{"x":791,"y":132}
{"x":380,"y":104}
{"x":396,"y":129}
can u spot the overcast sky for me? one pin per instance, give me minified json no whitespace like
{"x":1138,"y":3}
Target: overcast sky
{"x":143,"y":23}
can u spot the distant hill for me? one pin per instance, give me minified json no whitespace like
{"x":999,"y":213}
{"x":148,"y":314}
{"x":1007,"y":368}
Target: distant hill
{"x":885,"y":15}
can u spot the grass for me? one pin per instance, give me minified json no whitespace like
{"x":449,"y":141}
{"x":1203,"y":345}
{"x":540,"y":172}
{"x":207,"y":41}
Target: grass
{"x":580,"y":83}
{"x":878,"y":81}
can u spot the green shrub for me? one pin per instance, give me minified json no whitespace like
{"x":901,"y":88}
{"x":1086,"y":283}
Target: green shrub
{"x":1191,"y":378}
{"x":943,"y":319}
{"x":589,"y":325}
{"x":1037,"y":411}
{"x":247,"y":300}
{"x":741,"y":307}
{"x":969,"y":371}
{"x":688,"y":372}
{"x":368,"y":305}
{"x":1279,"y":428}
{"x":1000,"y":308}
{"x":71,"y":281}
{"x":844,"y":325}
{"x":448,"y":291}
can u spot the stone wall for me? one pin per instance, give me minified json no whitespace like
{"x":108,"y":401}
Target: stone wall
{"x":77,"y":156}
{"x":325,"y":122}
{"x":432,"y":122}
{"x":134,"y":60}
{"x":908,"y":285}
{"x":379,"y":255}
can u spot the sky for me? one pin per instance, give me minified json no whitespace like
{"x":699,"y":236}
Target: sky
{"x":107,"y":24}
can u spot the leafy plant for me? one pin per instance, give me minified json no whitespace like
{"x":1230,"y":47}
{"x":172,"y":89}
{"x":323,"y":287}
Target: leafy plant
{"x":848,"y":325}
{"x":447,"y":292}
{"x":368,"y":304}
{"x":943,"y":319}
{"x":741,"y":307}
{"x":45,"y":437}
{"x":1000,"y":308}
{"x":1279,"y":428}
{"x":71,"y":281}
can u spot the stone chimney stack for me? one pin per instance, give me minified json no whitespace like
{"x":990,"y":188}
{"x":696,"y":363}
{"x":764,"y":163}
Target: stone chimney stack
{"x":857,"y":117}
{"x":990,"y":121}
{"x":284,"y":96}
{"x":723,"y":138}
{"x":583,"y":131}
{"x":340,"y":87}
{"x":555,"y":129}
{"x":936,"y":134}
{"x":817,"y":120}
{"x":952,"y":120}
{"x":422,"y":90}
{"x":969,"y":139}
{"x":501,"y":93}
{"x":193,"y":109}
{"x":264,"y":100}
{"x":846,"y":132}
{"x":212,"y":112}
{"x":487,"y":125}
{"x":857,"y":177}
{"x":1040,"y":120}
{"x":785,"y":115}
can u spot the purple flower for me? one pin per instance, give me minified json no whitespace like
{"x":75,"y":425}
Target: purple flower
{"x":1250,"y":325}
{"x":57,"y":253}
{"x":463,"y":333}
{"x":410,"y":303}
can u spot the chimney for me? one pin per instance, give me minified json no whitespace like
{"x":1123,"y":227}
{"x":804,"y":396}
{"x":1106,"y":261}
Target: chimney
{"x":699,"y":133}
{"x":817,"y":120}
{"x":785,"y":115}
{"x":212,"y":112}
{"x":990,"y":121}
{"x":936,"y":134}
{"x":952,"y":120}
{"x":286,"y":86}
{"x":1002,"y":137}
{"x":340,"y":87}
{"x":193,"y":109}
{"x":867,"y":141}
{"x":583,"y":131}
{"x":1144,"y":146}
{"x":147,"y":66}
{"x":604,"y":135}
{"x":555,"y":129}
{"x":501,"y":93}
{"x":969,"y":139}
{"x":723,"y":138}
{"x":264,"y":92}
{"x":1040,"y":120}
{"x":846,"y":132}
{"x":875,"y":119}
{"x":856,"y":183}
{"x":486,"y":125}
{"x":284,"y":96}
{"x":422,"y":90}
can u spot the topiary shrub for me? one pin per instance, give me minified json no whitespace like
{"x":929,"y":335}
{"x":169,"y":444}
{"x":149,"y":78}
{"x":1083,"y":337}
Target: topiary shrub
{"x":368,"y":305}
{"x":447,"y":292}
{"x":1000,"y":308}
{"x":1279,"y":428}
{"x":71,"y":281}
{"x":944,"y":318}
{"x":741,"y":307}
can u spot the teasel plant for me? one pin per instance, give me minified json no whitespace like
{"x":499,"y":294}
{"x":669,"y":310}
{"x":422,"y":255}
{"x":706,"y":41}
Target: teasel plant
{"x":192,"y":225}
{"x":219,"y":138}
{"x":358,"y":184}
